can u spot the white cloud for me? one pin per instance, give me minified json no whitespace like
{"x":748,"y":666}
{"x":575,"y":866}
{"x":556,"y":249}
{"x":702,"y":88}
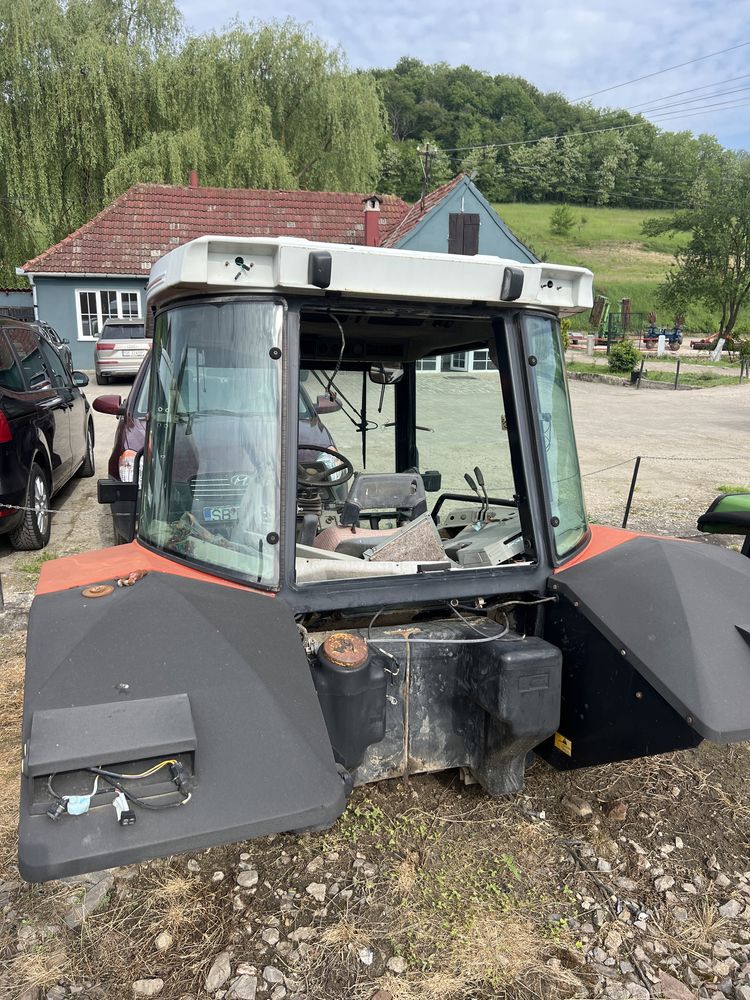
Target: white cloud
{"x":574,"y":48}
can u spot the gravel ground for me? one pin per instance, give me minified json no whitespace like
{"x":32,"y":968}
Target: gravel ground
{"x":622,"y":881}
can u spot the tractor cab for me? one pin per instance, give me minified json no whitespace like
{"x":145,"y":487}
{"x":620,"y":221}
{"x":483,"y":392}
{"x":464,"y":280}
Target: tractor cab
{"x":358,"y":557}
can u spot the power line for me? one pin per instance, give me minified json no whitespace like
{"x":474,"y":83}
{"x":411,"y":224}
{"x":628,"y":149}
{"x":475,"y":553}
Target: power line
{"x":692,"y":90}
{"x":570,"y":135}
{"x":725,"y":105}
{"x":529,"y":142}
{"x":659,"y":72}
{"x":694,"y":100}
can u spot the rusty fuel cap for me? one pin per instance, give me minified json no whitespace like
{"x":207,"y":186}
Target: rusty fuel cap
{"x":345,"y":649}
{"x":98,"y":590}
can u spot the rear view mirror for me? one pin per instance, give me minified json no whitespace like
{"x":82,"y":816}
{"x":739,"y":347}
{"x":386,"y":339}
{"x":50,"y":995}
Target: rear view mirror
{"x":113,"y":491}
{"x":324,"y":404}
{"x":80,"y":379}
{"x":381,"y":375}
{"x":109,"y":404}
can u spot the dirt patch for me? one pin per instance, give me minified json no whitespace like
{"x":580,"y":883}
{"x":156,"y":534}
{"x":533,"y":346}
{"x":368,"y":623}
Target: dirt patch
{"x":629,"y":252}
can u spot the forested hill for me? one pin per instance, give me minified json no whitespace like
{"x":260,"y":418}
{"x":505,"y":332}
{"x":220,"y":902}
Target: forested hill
{"x":638,"y":165}
{"x":99,"y":95}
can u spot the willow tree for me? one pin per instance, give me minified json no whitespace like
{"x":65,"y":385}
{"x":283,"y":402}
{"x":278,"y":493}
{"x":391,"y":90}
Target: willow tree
{"x":100,"y":94}
{"x":277,"y":94}
{"x":79,"y":91}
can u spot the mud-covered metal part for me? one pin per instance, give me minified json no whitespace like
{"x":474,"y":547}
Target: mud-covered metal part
{"x":453,"y":701}
{"x":351,"y":690}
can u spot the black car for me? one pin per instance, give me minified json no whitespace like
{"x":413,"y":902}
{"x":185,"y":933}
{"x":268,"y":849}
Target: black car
{"x":46,"y":432}
{"x":53,"y":337}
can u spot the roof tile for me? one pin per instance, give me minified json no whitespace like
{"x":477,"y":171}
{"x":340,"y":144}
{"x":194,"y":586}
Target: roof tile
{"x":150,"y":219}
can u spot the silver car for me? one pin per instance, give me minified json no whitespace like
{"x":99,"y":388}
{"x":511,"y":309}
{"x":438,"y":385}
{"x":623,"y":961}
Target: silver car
{"x":122,"y":346}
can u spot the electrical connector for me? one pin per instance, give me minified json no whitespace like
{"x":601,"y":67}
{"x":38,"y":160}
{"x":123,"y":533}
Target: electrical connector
{"x":180,"y":777}
{"x":56,"y":810}
{"x":125,"y":815}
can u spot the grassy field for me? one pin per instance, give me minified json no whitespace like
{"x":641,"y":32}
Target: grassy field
{"x":609,"y":241}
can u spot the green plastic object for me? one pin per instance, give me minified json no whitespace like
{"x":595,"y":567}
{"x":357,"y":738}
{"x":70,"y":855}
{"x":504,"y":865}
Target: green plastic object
{"x":729,"y":514}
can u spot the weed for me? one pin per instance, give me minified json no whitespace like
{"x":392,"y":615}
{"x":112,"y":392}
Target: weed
{"x":731,"y":488}
{"x":34,"y":565}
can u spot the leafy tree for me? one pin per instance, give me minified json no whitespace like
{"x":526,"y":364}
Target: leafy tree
{"x":100,"y":94}
{"x":714,"y":268}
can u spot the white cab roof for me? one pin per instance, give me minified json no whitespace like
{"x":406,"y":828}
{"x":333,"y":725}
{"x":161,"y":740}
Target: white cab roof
{"x":281,"y":264}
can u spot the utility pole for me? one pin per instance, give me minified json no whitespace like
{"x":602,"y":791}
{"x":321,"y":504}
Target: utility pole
{"x":426,"y":155}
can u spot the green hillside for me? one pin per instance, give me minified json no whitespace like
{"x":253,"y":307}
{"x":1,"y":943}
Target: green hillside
{"x":609,"y":241}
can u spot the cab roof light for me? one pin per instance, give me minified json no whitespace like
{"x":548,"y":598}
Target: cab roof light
{"x":511,"y":286}
{"x":319,"y":268}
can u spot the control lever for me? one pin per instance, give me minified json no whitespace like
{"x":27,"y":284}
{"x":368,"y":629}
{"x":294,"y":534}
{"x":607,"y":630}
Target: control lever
{"x":480,"y":479}
{"x":473,"y":486}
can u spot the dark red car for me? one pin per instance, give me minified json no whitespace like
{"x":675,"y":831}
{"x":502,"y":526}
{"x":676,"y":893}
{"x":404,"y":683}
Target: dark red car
{"x":130,"y":438}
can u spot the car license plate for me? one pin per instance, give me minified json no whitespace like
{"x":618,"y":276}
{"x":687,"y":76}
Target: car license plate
{"x":220,"y":513}
{"x":132,"y":354}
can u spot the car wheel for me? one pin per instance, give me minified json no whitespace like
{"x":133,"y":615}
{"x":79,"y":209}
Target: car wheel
{"x":87,"y":469}
{"x":34,"y":530}
{"x":101,"y":379}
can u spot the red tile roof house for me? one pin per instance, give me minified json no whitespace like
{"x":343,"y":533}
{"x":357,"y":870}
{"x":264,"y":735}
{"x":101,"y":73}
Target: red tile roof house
{"x":101,"y":270}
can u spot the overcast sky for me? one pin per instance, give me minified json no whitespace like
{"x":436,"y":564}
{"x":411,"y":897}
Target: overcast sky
{"x":577,"y":47}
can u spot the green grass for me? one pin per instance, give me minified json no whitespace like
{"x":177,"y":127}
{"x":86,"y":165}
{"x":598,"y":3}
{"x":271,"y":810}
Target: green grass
{"x":34,"y":566}
{"x":730,"y":488}
{"x":701,"y":380}
{"x":625,"y":263}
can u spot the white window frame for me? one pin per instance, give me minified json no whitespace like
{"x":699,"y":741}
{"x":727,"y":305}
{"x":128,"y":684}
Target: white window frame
{"x":97,"y":292}
{"x":481,"y":361}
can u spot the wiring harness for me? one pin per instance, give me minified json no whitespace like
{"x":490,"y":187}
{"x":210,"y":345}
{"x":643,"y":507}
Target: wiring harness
{"x":77,"y":805}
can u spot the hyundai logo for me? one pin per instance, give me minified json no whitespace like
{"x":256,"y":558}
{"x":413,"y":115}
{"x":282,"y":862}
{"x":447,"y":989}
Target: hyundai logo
{"x":240,"y":479}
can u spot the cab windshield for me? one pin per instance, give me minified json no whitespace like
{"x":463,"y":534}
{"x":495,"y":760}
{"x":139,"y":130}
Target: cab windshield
{"x":212,"y":492}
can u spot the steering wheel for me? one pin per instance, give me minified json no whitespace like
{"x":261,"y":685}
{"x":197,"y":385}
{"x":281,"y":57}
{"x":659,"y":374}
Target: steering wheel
{"x":307,"y":476}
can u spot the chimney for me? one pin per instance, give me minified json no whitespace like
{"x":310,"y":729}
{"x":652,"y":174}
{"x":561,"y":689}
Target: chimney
{"x":372,"y":220}
{"x":193,"y":178}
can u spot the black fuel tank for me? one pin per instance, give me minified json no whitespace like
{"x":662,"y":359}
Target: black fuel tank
{"x":351,"y":690}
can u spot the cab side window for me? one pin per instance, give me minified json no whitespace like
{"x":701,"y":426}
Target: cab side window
{"x":10,"y":373}
{"x":26,"y":344}
{"x":55,"y":366}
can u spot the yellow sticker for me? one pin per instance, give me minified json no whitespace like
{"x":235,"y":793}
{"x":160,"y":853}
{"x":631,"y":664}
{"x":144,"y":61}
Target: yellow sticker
{"x":563,"y":744}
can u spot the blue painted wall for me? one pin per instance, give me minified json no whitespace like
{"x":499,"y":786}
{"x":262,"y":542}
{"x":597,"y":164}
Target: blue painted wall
{"x":431,"y":234}
{"x":56,"y":303}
